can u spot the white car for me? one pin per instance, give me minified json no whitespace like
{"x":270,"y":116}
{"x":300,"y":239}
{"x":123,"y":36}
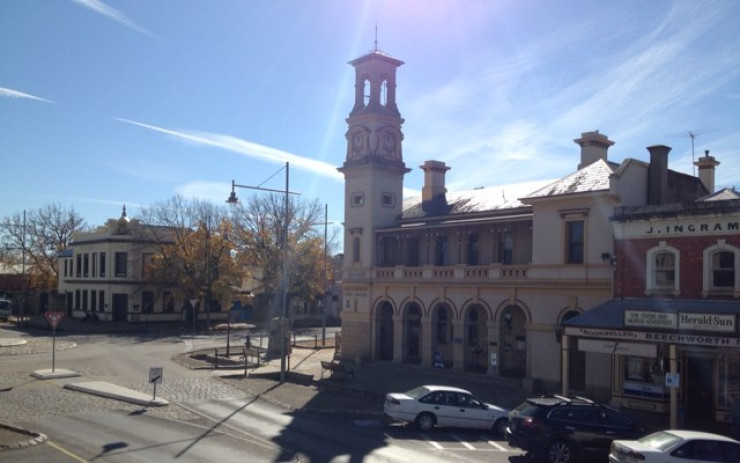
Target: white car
{"x":676,"y":446}
{"x":430,"y":406}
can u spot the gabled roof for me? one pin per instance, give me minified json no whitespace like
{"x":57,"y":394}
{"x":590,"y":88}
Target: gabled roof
{"x":593,"y":177}
{"x":724,"y":194}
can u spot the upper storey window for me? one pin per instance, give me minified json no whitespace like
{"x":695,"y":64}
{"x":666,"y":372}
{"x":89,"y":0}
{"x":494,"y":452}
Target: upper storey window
{"x":720,"y":263}
{"x":662,"y":270}
{"x":574,"y":242}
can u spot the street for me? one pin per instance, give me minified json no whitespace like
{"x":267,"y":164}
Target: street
{"x":208,"y":419}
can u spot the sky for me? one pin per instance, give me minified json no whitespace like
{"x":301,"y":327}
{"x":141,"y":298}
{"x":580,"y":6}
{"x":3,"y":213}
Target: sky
{"x":112,"y":102}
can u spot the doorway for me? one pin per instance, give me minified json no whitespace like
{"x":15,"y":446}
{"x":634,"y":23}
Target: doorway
{"x":120,"y":307}
{"x":699,"y":400}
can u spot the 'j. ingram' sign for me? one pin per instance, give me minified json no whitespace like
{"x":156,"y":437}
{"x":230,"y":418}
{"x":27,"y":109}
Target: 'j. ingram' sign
{"x":724,"y":323}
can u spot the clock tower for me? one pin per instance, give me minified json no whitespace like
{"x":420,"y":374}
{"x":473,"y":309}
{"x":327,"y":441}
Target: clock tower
{"x":373,"y":169}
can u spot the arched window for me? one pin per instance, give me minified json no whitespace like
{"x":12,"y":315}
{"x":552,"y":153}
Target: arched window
{"x":720,"y":269}
{"x":723,"y":269}
{"x":663,"y":265}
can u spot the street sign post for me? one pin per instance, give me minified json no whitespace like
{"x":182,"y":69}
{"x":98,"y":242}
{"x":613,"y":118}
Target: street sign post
{"x":155,"y":377}
{"x":54,"y":319}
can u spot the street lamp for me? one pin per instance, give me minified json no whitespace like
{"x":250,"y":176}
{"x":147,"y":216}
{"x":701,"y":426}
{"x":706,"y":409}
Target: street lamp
{"x":234,"y":200}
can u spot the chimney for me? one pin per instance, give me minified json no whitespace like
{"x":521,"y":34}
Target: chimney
{"x":593,"y":147}
{"x":706,"y":167}
{"x":658,"y":174}
{"x":434,"y":180}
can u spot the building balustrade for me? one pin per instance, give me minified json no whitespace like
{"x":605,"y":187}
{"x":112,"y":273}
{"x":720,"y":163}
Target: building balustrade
{"x":462,"y":272}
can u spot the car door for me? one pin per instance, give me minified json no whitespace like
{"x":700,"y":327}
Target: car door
{"x":471,"y":413}
{"x":616,"y":426}
{"x":444,"y":405}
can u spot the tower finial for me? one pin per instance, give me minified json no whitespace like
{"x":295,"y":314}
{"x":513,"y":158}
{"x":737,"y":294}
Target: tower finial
{"x":376,"y":36}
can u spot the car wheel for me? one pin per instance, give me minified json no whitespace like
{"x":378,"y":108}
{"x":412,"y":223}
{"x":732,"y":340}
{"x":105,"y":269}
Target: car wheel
{"x":559,"y":452}
{"x":425,"y":421}
{"x":499,"y":427}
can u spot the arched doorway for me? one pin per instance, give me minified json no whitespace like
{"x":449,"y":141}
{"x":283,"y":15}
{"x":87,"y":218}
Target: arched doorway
{"x":384,"y":325}
{"x":576,"y":360}
{"x":412,"y":334}
{"x":442,"y":335}
{"x":513,"y":342}
{"x":476,"y":339}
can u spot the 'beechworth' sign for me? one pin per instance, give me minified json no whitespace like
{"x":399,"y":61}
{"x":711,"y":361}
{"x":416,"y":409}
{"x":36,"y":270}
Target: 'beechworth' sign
{"x":724,"y":323}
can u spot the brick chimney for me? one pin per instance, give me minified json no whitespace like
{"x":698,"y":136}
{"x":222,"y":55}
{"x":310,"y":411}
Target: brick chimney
{"x":434,"y":181}
{"x":593,"y":147}
{"x":658,"y":174}
{"x":706,"y":167}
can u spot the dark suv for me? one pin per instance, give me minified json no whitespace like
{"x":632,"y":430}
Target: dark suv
{"x":558,"y":429}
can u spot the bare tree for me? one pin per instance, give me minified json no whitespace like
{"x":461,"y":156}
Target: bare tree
{"x":40,"y":235}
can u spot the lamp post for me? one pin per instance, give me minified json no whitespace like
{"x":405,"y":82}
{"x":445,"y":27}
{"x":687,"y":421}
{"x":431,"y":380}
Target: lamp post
{"x":233,"y":200}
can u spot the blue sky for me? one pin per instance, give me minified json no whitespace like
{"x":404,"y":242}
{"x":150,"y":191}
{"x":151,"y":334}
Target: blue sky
{"x":112,"y":102}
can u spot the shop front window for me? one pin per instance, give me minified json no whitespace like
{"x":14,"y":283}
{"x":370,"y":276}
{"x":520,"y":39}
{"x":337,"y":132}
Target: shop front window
{"x":728,"y":383}
{"x":645,"y":377}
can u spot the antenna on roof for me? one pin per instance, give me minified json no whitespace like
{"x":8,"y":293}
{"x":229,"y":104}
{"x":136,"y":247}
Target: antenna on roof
{"x":693,"y":134}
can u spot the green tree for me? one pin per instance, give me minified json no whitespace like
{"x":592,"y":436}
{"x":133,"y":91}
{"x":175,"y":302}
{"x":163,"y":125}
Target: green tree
{"x":258,"y":228}
{"x":193,"y":257}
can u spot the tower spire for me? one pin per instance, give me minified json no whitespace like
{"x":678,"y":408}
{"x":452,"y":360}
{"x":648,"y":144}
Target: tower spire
{"x":376,"y":36}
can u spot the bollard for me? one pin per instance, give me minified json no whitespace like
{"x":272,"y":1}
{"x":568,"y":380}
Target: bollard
{"x":315,"y":342}
{"x":215,"y":359}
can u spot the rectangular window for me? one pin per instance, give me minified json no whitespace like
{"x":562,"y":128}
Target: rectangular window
{"x":507,"y":248}
{"x":66,"y":264}
{"x":147,"y":302}
{"x":147,"y":264}
{"x":389,"y":247}
{"x":93,"y":299}
{"x":473,"y":250}
{"x":574,"y":242}
{"x":168,"y":303}
{"x":412,"y":252}
{"x":84,"y":300}
{"x":77,"y":299}
{"x":102,"y":264}
{"x":94,"y":264}
{"x":440,"y":254}
{"x":101,"y":301}
{"x":86,"y":265}
{"x":120,"y":264}
{"x":356,"y":249}
{"x":79,"y":266}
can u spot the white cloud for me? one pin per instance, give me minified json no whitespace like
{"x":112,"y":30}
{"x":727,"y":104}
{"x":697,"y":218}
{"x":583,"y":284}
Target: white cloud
{"x":247,"y":148}
{"x":110,"y":12}
{"x":10,"y":93}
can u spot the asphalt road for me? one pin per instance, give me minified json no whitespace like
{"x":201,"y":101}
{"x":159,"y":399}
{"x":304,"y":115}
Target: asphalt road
{"x":211,"y":418}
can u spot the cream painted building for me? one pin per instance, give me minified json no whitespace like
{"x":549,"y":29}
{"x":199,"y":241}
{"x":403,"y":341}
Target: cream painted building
{"x":478,"y":280}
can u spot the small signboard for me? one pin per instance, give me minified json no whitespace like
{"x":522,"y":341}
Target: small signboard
{"x":155,"y":375}
{"x":494,"y":359}
{"x":54,"y":318}
{"x":672,"y":380}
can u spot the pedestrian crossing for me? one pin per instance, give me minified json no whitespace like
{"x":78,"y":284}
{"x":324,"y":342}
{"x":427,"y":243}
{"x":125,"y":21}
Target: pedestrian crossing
{"x":442,"y":439}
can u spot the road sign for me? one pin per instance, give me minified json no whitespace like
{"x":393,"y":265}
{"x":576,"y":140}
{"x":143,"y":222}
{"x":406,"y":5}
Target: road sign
{"x":54,"y":318}
{"x":155,"y":375}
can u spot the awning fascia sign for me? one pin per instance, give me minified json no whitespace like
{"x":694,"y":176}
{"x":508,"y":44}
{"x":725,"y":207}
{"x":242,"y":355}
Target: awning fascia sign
{"x":616,"y":347}
{"x":709,"y":322}
{"x":653,"y":337}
